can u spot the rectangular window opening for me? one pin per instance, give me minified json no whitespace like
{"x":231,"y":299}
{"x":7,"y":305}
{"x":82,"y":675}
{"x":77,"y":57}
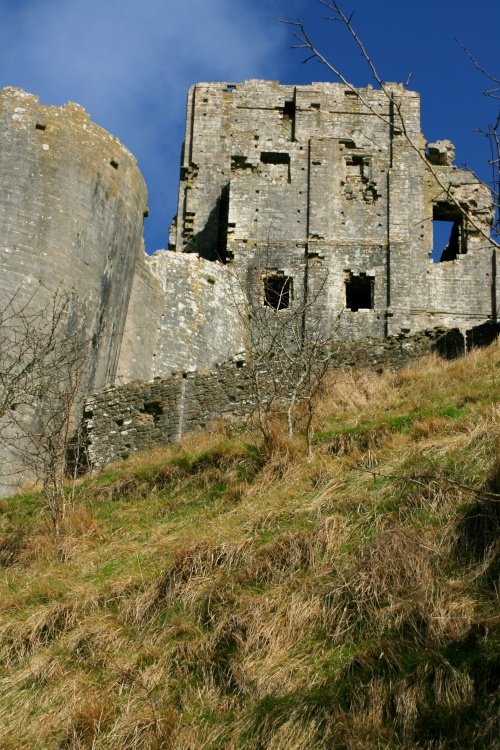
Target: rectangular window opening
{"x":40,"y":126}
{"x":274,"y":157}
{"x":359,"y":291}
{"x":448,"y":233}
{"x":114,"y":164}
{"x":276,"y":165}
{"x":278,"y":290}
{"x":356,"y":166}
{"x":289,"y":110}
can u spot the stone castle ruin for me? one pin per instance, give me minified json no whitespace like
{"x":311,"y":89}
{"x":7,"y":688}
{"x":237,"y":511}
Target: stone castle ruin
{"x":286,"y":194}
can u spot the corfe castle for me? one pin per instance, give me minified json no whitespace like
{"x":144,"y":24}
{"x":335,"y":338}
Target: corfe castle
{"x":310,"y":190}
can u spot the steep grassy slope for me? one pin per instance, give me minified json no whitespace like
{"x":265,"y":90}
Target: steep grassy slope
{"x":226,"y":594}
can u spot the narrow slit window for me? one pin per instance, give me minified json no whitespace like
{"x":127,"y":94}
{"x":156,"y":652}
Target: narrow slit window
{"x":114,"y":164}
{"x":278,"y":291}
{"x":289,"y":110}
{"x":359,"y":291}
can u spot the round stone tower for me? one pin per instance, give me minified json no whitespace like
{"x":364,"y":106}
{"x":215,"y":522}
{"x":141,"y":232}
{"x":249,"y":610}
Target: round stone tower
{"x":71,"y":215}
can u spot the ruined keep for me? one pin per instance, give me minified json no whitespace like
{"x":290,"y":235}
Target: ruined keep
{"x":288,"y":195}
{"x":315,"y":191}
{"x":296,"y":181}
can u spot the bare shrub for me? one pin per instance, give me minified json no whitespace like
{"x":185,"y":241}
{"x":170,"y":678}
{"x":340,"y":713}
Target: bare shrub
{"x":44,"y":355}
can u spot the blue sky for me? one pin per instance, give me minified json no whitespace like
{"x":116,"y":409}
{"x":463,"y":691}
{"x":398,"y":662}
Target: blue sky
{"x":130,"y":63}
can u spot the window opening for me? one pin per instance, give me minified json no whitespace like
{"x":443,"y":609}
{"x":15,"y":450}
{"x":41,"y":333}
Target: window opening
{"x":223,"y":225}
{"x":276,"y":164}
{"x":289,"y":110}
{"x":40,"y":126}
{"x":274,"y":157}
{"x":359,"y":289}
{"x":448,"y":233}
{"x":114,"y":164}
{"x":277,"y":291}
{"x":356,"y":166}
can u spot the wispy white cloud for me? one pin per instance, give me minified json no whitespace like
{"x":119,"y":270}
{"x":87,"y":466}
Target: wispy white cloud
{"x":130,"y":62}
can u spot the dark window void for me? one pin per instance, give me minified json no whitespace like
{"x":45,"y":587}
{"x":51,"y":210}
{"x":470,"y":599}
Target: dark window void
{"x":223,"y":225}
{"x":154,"y":409}
{"x":277,"y":291}
{"x":40,"y":126}
{"x":276,"y":164}
{"x":274,"y":157}
{"x":289,"y":110}
{"x":358,"y":291}
{"x":114,"y":164}
{"x":448,"y":233}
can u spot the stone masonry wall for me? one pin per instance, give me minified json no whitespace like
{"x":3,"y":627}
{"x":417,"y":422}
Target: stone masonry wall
{"x":71,"y":217}
{"x":140,"y":416}
{"x":322,"y":182}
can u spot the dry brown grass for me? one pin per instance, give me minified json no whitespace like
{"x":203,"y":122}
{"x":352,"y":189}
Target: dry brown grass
{"x":226,"y":594}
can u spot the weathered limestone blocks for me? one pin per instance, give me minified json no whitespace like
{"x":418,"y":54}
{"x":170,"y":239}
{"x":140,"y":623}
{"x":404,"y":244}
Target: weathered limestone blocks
{"x":441,"y":153}
{"x":185,"y":313}
{"x":324,"y":182}
{"x":71,"y":215}
{"x":140,"y":416}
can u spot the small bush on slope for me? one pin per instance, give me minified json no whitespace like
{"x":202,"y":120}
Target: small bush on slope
{"x":226,"y":595}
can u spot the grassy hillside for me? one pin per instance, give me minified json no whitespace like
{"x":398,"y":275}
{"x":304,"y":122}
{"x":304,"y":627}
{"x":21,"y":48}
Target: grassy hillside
{"x":227,"y":594}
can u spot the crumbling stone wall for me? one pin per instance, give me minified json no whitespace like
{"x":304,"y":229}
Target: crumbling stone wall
{"x":319,"y":182}
{"x":139,"y":416}
{"x":314,"y":187}
{"x":185,"y":312}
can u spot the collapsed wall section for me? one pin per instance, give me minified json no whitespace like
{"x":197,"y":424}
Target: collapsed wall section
{"x":185,"y":313}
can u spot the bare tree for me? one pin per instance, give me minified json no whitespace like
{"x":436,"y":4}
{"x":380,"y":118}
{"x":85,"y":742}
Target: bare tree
{"x":44,"y":354}
{"x":290,"y":345}
{"x":492,"y":133}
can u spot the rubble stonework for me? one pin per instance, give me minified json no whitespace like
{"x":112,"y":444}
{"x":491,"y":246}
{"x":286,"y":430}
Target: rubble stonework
{"x":321,"y":189}
{"x":140,"y":416}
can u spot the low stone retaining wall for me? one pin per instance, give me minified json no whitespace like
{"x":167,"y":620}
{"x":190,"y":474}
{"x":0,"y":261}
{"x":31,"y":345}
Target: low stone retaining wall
{"x":140,"y":416}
